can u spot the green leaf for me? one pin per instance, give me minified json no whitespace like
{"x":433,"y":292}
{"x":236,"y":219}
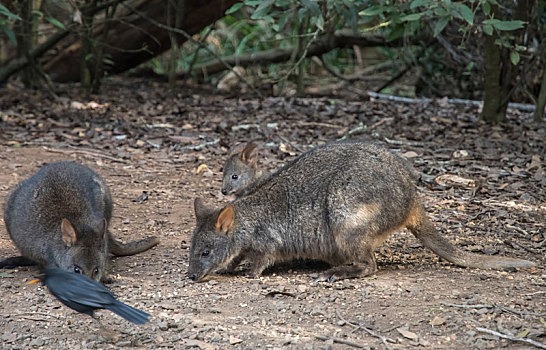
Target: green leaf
{"x":441,"y":12}
{"x":514,"y":57}
{"x":486,"y":8}
{"x":464,"y":12}
{"x":411,"y":17}
{"x":262,"y":9}
{"x":55,"y":22}
{"x":236,"y":7}
{"x":507,"y":25}
{"x":313,"y":7}
{"x":371,"y":11}
{"x":320,"y":22}
{"x":4,"y":10}
{"x":6,"y":275}
{"x":487,"y":29}
{"x":253,"y":3}
{"x":396,"y":33}
{"x":440,"y":25}
{"x":11,"y":35}
{"x":417,"y":3}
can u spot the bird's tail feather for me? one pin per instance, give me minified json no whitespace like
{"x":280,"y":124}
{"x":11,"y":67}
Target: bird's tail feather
{"x":129,"y":313}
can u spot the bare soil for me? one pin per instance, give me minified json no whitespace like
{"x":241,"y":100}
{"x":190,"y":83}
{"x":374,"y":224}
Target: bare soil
{"x":148,"y":143}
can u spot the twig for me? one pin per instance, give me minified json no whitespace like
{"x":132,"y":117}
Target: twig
{"x":535,"y":293}
{"x":511,"y":337}
{"x":83,"y":152}
{"x":519,"y":229}
{"x":383,"y":339}
{"x":340,"y":341}
{"x":500,"y":307}
{"x":474,"y":306}
{"x":521,"y":313}
{"x":201,"y":145}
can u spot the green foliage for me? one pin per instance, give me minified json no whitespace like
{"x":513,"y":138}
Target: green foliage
{"x":6,"y":19}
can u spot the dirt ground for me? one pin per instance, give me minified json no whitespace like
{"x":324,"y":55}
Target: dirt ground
{"x":483,"y":186}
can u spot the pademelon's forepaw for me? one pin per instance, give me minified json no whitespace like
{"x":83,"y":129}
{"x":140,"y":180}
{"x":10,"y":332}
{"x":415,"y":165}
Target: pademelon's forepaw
{"x":326,"y":277}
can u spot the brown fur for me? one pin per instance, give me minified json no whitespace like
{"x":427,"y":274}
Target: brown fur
{"x":335,"y":203}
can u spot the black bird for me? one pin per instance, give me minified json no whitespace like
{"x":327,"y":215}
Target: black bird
{"x":85,"y":295}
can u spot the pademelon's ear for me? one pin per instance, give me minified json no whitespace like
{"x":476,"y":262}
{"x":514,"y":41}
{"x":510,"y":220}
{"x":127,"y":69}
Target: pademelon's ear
{"x":249,"y":154}
{"x":68,"y":233}
{"x":104,"y":228}
{"x":225,"y":220}
{"x":200,"y":208}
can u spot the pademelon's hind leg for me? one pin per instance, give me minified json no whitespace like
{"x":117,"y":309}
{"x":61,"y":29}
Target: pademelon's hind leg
{"x":363,"y":265}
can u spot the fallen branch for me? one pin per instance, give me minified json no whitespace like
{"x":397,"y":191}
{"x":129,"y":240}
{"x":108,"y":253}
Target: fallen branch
{"x":511,"y":337}
{"x":520,"y":106}
{"x":322,"y":45}
{"x":18,"y":64}
{"x":340,"y":341}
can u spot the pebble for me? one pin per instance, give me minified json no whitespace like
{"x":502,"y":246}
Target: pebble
{"x":123,"y":343}
{"x":37,"y":342}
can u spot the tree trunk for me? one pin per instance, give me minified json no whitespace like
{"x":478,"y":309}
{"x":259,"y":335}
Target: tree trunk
{"x":541,"y":101}
{"x":137,"y":38}
{"x":492,"y":110}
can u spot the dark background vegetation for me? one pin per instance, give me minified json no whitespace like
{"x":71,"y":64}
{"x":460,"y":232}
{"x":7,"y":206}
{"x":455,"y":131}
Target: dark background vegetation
{"x":479,"y":50}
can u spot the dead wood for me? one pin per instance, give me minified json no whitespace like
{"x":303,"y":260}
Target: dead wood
{"x":133,"y":38}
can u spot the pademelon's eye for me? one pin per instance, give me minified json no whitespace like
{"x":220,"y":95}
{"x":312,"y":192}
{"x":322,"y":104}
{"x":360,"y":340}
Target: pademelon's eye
{"x":205,"y":252}
{"x":77,"y":269}
{"x":96,"y":270}
{"x":234,"y":176}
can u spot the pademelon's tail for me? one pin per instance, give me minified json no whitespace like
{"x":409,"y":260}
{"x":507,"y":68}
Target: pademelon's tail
{"x":122,"y":249}
{"x":420,"y":225}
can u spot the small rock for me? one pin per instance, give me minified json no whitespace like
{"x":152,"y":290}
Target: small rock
{"x":233,"y":340}
{"x":123,"y":343}
{"x":37,"y":342}
{"x":164,"y":326}
{"x":302,"y":288}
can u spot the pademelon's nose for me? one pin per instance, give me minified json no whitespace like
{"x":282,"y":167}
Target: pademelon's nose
{"x":192,"y":276}
{"x":224,"y":192}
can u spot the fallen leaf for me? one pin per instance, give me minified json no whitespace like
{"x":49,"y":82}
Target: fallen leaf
{"x":437,"y":321}
{"x":501,"y":187}
{"x":448,"y":180}
{"x":284,"y":149}
{"x":201,"y":169}
{"x":407,"y":334}
{"x":409,"y":154}
{"x":535,"y":162}
{"x":460,"y":154}
{"x":523,"y":333}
